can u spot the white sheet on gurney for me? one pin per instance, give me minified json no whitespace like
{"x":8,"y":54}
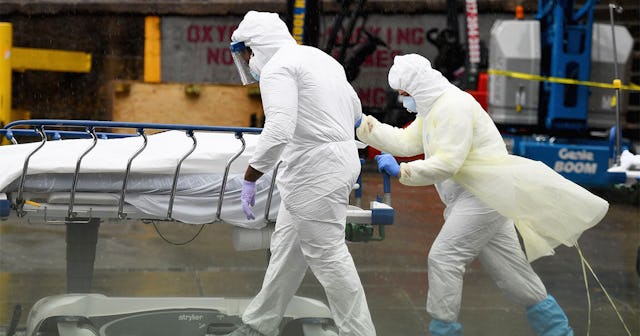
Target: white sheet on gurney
{"x":160,"y":157}
{"x":201,"y":208}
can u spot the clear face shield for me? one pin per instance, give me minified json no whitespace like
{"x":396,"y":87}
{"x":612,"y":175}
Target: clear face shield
{"x":241,"y":55}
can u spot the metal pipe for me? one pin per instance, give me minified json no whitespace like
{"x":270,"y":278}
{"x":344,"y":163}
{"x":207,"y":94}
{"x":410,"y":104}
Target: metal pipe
{"x":25,"y":167}
{"x":121,"y":214}
{"x":616,"y":80}
{"x":72,"y":196}
{"x":177,"y":172}
{"x":226,"y":174}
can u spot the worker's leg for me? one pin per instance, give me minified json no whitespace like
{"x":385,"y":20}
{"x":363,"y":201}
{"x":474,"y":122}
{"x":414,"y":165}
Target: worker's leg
{"x":506,"y":262}
{"x":443,"y":328}
{"x":546,"y":318}
{"x":324,"y":247}
{"x":460,"y":240}
{"x":285,"y":272}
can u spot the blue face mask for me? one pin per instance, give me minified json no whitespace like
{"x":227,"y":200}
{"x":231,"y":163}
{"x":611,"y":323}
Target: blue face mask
{"x":410,"y":104}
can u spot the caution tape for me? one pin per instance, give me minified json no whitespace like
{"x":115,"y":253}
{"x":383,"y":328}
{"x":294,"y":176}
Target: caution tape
{"x":617,"y":84}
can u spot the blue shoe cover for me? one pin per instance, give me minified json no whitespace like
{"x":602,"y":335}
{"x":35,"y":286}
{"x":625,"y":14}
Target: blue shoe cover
{"x":442,"y":328}
{"x":546,"y":318}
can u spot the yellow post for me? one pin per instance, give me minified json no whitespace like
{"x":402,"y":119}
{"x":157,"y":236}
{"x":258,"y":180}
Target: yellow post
{"x":152,"y":72}
{"x":6,"y":34}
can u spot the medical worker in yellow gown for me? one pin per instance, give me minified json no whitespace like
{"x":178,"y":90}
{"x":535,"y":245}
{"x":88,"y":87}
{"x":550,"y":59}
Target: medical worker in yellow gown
{"x":486,"y":191}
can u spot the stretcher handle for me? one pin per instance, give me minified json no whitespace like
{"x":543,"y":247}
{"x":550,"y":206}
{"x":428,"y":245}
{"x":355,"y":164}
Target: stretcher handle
{"x":127,"y":172}
{"x":386,"y":188}
{"x":386,"y":183}
{"x":226,"y":173}
{"x":72,"y":196}
{"x":25,"y":167}
{"x":177,"y":172}
{"x":358,"y":191}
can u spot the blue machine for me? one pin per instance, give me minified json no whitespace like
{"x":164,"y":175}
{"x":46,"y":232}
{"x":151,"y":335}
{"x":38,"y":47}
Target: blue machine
{"x":566,"y":53}
{"x":551,"y":122}
{"x":582,"y":161}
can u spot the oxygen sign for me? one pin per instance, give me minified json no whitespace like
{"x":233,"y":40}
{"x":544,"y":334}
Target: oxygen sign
{"x":576,"y":162}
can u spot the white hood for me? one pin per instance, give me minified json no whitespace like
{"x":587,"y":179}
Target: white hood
{"x":413,"y":73}
{"x":264,"y":33}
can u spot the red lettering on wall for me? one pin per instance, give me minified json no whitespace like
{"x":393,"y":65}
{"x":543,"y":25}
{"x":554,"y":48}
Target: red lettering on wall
{"x":402,"y":36}
{"x":410,"y":36}
{"x":372,"y":96}
{"x":219,"y":56}
{"x":205,"y":33}
{"x":225,"y":32}
{"x":198,"y":33}
{"x":390,"y":35}
{"x":193,"y":33}
{"x":381,"y":58}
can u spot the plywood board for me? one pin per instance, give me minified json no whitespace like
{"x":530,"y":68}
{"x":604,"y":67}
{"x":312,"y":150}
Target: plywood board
{"x":215,"y":105}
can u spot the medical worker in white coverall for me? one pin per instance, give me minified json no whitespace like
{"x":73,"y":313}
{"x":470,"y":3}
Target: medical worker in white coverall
{"x":485,"y":191}
{"x":310,"y":115}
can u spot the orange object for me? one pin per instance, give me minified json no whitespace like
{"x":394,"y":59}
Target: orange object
{"x":519,"y":12}
{"x":481,"y":93}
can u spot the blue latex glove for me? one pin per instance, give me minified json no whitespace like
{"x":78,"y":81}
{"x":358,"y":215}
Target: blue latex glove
{"x":358,"y":122}
{"x":248,"y":198}
{"x":388,"y":164}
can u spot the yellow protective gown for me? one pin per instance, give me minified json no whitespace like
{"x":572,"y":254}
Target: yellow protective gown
{"x":462,"y":143}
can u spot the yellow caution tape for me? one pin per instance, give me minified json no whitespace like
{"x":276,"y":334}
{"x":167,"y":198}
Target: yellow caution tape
{"x":616,"y":84}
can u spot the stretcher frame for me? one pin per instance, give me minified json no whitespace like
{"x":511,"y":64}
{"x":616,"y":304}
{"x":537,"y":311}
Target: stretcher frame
{"x":82,"y":219}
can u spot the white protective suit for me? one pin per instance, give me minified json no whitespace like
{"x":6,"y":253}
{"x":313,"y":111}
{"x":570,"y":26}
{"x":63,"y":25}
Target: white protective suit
{"x":467,"y":160}
{"x":310,"y":112}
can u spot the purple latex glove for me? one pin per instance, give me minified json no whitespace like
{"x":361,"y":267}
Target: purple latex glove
{"x":248,"y":198}
{"x":388,"y":164}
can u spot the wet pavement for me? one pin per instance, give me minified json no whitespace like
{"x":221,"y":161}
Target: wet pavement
{"x":133,"y":260}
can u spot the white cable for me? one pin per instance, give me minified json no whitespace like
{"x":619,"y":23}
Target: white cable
{"x":584,"y":261}
{"x":586,"y":287}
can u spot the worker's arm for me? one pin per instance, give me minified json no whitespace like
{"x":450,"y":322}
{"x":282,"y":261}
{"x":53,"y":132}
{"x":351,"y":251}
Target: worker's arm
{"x":393,"y":140}
{"x":279,"y":93}
{"x":449,"y":135}
{"x":252,"y":174}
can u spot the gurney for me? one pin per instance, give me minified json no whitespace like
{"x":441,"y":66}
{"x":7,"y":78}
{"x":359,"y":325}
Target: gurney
{"x":82,"y":173}
{"x":99,"y":315}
